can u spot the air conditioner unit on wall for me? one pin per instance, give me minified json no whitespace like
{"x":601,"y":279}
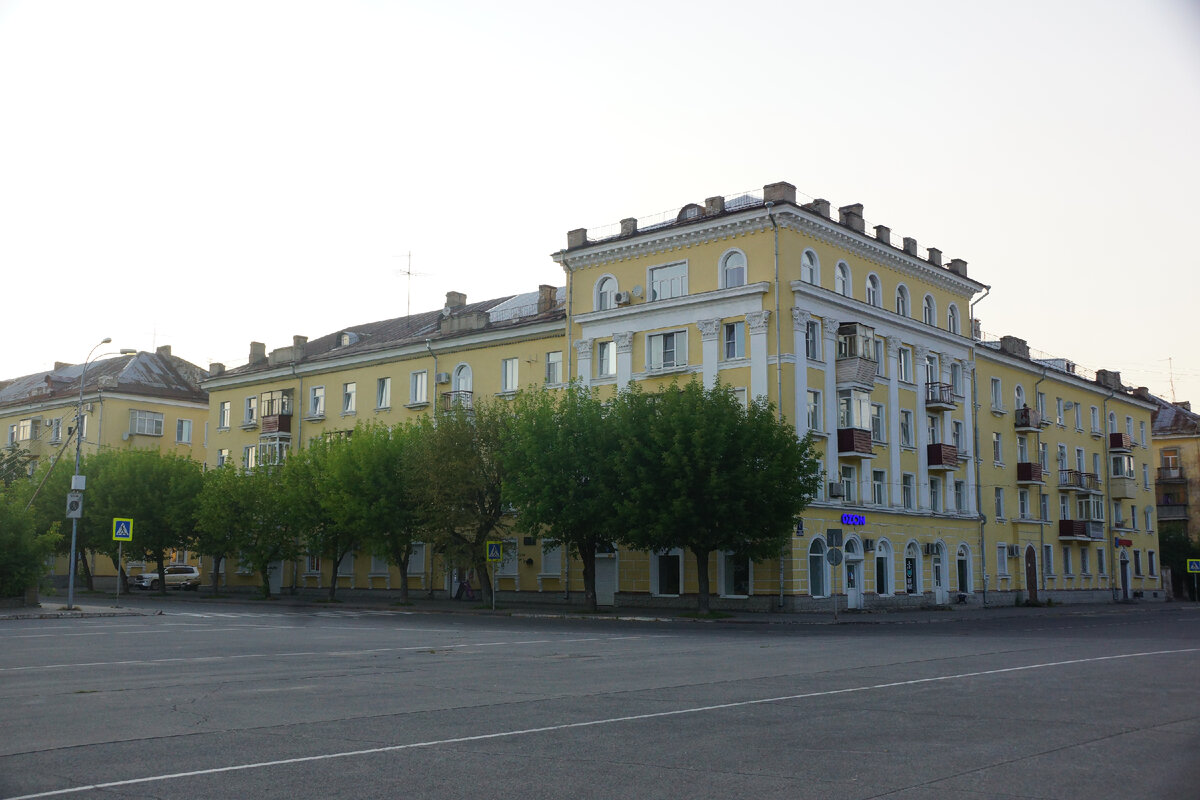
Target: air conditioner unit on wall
{"x":868,"y":544}
{"x":442,"y":377}
{"x":836,"y":490}
{"x":622,"y":298}
{"x":1014,"y":551}
{"x":930,"y":549}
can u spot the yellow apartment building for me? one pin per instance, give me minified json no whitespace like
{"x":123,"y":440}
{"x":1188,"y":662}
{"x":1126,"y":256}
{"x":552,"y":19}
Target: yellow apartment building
{"x":133,"y":401}
{"x":1068,"y":509}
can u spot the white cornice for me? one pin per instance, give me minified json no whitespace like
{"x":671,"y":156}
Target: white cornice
{"x":458,"y":344}
{"x":983,"y":353}
{"x":756,"y":220}
{"x":69,"y":403}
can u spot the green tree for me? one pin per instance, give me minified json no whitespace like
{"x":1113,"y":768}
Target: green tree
{"x":1175,"y":548}
{"x":318,"y":504}
{"x":23,"y":550}
{"x":562,"y":473}
{"x":159,"y":491}
{"x":705,"y":474}
{"x":14,"y":464}
{"x":459,"y":455}
{"x":223,"y":518}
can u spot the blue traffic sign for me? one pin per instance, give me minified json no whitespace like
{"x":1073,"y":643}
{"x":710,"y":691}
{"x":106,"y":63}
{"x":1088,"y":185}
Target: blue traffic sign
{"x":1193,"y":564}
{"x":493,"y":551}
{"x":122,"y":529}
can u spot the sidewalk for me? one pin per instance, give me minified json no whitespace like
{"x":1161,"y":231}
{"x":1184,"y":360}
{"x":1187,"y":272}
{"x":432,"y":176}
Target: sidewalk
{"x":150,"y":603}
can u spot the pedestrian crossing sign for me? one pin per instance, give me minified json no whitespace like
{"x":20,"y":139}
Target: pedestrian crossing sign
{"x":1193,"y":564}
{"x":122,"y":529}
{"x":493,"y":551}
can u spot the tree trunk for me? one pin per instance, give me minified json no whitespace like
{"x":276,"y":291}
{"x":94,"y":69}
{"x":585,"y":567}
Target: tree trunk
{"x":216,"y":576}
{"x":162,"y":575}
{"x":84,"y":570}
{"x":587,"y":554}
{"x":403,"y":567}
{"x":265,"y":573}
{"x":333,"y":580}
{"x":485,"y":582}
{"x":702,"y":604}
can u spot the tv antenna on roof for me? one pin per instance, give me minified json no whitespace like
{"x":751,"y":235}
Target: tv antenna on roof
{"x":408,"y":272}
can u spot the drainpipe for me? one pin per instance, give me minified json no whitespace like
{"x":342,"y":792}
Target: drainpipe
{"x":778,"y":359}
{"x":570,"y":315}
{"x":428,"y":549}
{"x":1042,"y":526}
{"x":1114,"y":564}
{"x":299,"y":438}
{"x":978,"y":461}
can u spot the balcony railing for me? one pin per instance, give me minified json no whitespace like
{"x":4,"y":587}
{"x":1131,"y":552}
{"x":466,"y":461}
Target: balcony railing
{"x":942,"y":456}
{"x":1081,"y":481}
{"x":1122,"y":488}
{"x":1028,"y":419}
{"x":1120,"y":441}
{"x":1171,"y":475}
{"x":1172,"y":511}
{"x":1029,"y":472}
{"x":277,"y":423}
{"x":1080,"y":529}
{"x":458,"y":399}
{"x":857,"y":370}
{"x":854,"y":442}
{"x":939,"y":396}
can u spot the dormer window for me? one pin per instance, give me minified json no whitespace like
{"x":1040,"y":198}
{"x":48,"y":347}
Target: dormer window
{"x":347,"y":338}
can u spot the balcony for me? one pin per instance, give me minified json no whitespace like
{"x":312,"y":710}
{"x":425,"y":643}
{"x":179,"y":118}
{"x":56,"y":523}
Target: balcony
{"x":1029,"y":420}
{"x":1121,"y":488}
{"x":854,"y":443}
{"x":1080,"y":530}
{"x":1030,"y":473}
{"x":1171,"y":475}
{"x":1077,"y":481}
{"x":1120,"y":442}
{"x":939,"y":397}
{"x":941,"y":457}
{"x":1168,"y":512}
{"x":857,"y":371}
{"x":277,"y":423}
{"x":458,"y":399}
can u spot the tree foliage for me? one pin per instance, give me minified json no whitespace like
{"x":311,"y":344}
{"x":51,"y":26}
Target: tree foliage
{"x":23,"y":550}
{"x":705,"y":474}
{"x":563,"y":474}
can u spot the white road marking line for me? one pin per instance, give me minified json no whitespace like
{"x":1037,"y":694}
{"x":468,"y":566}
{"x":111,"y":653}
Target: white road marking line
{"x":587,"y":724}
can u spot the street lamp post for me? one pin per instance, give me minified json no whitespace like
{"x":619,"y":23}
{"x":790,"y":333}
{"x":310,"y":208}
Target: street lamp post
{"x":75,"y":481}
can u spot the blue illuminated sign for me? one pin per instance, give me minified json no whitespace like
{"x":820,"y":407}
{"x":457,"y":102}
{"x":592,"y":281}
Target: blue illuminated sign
{"x":854,"y":519}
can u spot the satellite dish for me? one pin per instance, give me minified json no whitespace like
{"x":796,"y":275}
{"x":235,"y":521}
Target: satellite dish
{"x":636,"y":291}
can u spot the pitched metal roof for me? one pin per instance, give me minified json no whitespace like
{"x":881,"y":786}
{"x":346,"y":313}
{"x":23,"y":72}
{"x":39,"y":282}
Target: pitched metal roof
{"x":156,"y":374}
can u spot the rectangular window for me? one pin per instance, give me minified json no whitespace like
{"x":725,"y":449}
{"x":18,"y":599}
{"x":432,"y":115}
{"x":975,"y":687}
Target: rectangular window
{"x":1023,"y":449}
{"x":552,"y":560}
{"x":1133,"y":517}
{"x":1151,"y":564}
{"x":277,"y":402}
{"x":879,"y":487}
{"x":814,"y":410}
{"x":1137,"y":563}
{"x":906,"y":427}
{"x":1044,"y":507}
{"x":1002,"y":560}
{"x":960,"y":436}
{"x":665,"y":350}
{"x":1079,"y":464}
{"x":1058,"y":410}
{"x":383,"y":393}
{"x":905,"y":364}
{"x":1023,"y":503}
{"x":509,"y":381}
{"x":1048,"y":559}
{"x":933,"y":428}
{"x":250,"y":456}
{"x":735,"y":340}
{"x":908,"y":491}
{"x":1043,"y":456}
{"x":997,"y":395}
{"x":880,"y":359}
{"x":812,"y":340}
{"x":606,"y":360}
{"x":183,"y":431}
{"x":1145,"y":476}
{"x":956,"y":379}
{"x":1064,"y":506}
{"x":997,"y":448}
{"x":1066,"y":554}
{"x":1129,"y":427}
{"x":935,"y":494}
{"x":877,"y":423}
{"x":56,"y":430}
{"x":1062,"y":456}
{"x":740,"y":393}
{"x":1101,"y":561}
{"x":1078,"y":417}
{"x":999,"y":502}
{"x":960,"y":496}
{"x":668,"y":281}
{"x":854,"y":409}
{"x":316,"y":401}
{"x":1142,"y":438}
{"x":148,"y":423}
{"x":250,"y":411}
{"x":223,"y":414}
{"x":1084,"y":567}
{"x":349,"y":397}
{"x":849,"y":483}
{"x":554,"y":367}
{"x":1041,"y":404}
{"x":418,"y":387}
{"x":1095,"y":419}
{"x":222,"y":456}
{"x":1149,"y":518}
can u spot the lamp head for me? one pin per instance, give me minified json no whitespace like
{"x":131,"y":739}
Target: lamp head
{"x":106,"y":340}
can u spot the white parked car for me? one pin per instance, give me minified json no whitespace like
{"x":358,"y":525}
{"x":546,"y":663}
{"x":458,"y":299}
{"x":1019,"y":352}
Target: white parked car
{"x":179,"y":576}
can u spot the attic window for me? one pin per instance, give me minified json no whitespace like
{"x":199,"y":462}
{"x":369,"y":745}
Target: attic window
{"x":346,"y":338}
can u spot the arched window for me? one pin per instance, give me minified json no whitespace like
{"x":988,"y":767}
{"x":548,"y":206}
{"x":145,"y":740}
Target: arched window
{"x":883,"y":567}
{"x":929,"y":311}
{"x":733,"y":270}
{"x":912,"y":568}
{"x":902,"y":300}
{"x":964,"y":569}
{"x":606,"y":291}
{"x":810,"y":269}
{"x":1112,"y":422}
{"x":1019,"y":396}
{"x":818,"y":575}
{"x":952,"y":323}
{"x":841,"y":279}
{"x":874,"y":296}
{"x":462,"y":378}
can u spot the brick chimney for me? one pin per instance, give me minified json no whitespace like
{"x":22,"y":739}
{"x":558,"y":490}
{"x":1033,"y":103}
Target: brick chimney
{"x":958,"y":267}
{"x":883,"y":233}
{"x":629,"y":226}
{"x":577,"y":238}
{"x":1108,"y":378}
{"x":455,"y":299}
{"x":216,"y":369}
{"x":910,"y":245}
{"x":935,"y":256}
{"x":1014,"y":346}
{"x":163,"y":350}
{"x":714,"y":206}
{"x":782,"y":192}
{"x":818,"y":206}
{"x":851,"y":216}
{"x":546,"y":298}
{"x":258,"y":353}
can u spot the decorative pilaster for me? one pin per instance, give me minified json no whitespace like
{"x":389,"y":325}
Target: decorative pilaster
{"x":829,"y":354}
{"x":756,"y":323}
{"x":800,"y":320}
{"x":623,"y":341}
{"x":583,"y":357}
{"x":895,"y":478}
{"x":920,"y":355}
{"x":710,"y":342}
{"x":968,"y":371}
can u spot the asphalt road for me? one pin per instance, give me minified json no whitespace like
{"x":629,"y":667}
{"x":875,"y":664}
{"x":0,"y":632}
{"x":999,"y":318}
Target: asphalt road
{"x":234,"y":701}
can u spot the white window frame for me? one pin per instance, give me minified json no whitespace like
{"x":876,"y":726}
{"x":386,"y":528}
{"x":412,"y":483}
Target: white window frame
{"x":183,"y":431}
{"x":418,"y":387}
{"x":843,"y":280}
{"x":316,"y":401}
{"x":510,"y":375}
{"x":903,"y":301}
{"x":349,"y":397}
{"x":733,"y":273}
{"x":929,"y":310}
{"x":810,"y":268}
{"x":605,"y":293}
{"x":606,"y":359}
{"x":908,"y":491}
{"x":667,"y":281}
{"x":223,"y":413}
{"x":906,"y":427}
{"x":733,"y":340}
{"x":874,"y":293}
{"x":383,"y":392}
{"x":554,"y":367}
{"x":657,"y":350}
{"x":145,"y":423}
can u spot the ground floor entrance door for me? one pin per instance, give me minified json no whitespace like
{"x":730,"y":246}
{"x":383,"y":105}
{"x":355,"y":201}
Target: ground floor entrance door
{"x":941,"y":595}
{"x":1031,"y":574}
{"x":854,"y":579}
{"x":1124,"y":576}
{"x":606,"y":579}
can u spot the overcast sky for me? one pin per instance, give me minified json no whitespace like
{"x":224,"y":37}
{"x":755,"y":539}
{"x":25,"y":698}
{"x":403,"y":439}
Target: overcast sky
{"x":204,"y":174}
